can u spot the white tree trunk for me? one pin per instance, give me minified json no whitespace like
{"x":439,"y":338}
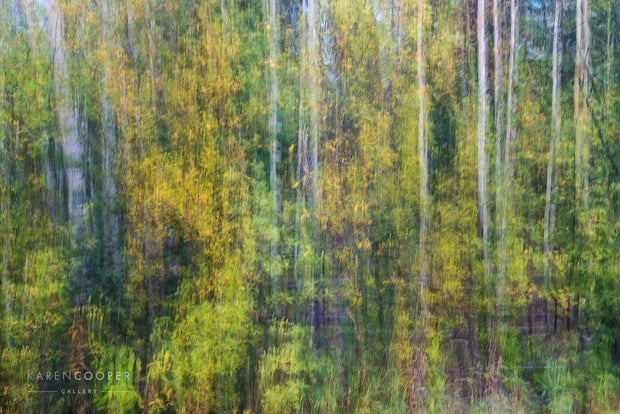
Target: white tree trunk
{"x":497,"y":83}
{"x":109,"y":143}
{"x":273,"y":130}
{"x":6,"y":227}
{"x":4,"y":200}
{"x":582,"y":143}
{"x":482,"y":125}
{"x":313,"y":83}
{"x":422,"y":158}
{"x":67,"y":121}
{"x":580,"y":104}
{"x":507,"y":168}
{"x":555,"y":133}
{"x":420,"y":360}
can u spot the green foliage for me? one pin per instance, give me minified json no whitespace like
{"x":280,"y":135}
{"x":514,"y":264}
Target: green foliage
{"x":287,"y":371}
{"x":114,"y":395}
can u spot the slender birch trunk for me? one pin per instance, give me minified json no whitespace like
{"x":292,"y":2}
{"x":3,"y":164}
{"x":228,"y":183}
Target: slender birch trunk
{"x":307,"y":152}
{"x":112,"y":221}
{"x":610,"y":58}
{"x":4,"y":204}
{"x":313,"y":84}
{"x":580,"y":103}
{"x":273,"y":130}
{"x":6,"y":227}
{"x":582,"y":144}
{"x":578,"y":125}
{"x":618,"y":16}
{"x":482,"y":125}
{"x":420,"y":361}
{"x":302,"y":168}
{"x":298,"y":179}
{"x":6,"y":291}
{"x":497,"y":84}
{"x":577,"y":99}
{"x":507,"y":168}
{"x":422,"y":159}
{"x":68,"y":125}
{"x":555,"y":133}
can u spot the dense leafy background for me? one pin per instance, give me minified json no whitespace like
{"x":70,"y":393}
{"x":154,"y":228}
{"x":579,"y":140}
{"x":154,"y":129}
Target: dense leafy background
{"x":224,"y":199}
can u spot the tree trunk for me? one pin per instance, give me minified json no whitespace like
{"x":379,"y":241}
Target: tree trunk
{"x":482,"y":125}
{"x":422,"y":159}
{"x":67,"y":123}
{"x":313,"y":68}
{"x":555,"y":133}
{"x":298,"y":185}
{"x":580,"y":104}
{"x":6,"y":221}
{"x":5,"y":215}
{"x":112,"y":220}
{"x":577,"y":99}
{"x":609,"y":59}
{"x":273,"y":130}
{"x":582,"y":145}
{"x":502,"y":256}
{"x":497,"y":65}
{"x":302,"y":168}
{"x":421,"y":360}
{"x":618,"y":16}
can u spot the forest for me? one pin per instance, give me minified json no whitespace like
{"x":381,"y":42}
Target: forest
{"x":310,"y":206}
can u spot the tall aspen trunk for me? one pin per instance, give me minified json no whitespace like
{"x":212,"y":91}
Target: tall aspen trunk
{"x":6,"y":291}
{"x":555,"y":133}
{"x":422,"y":161}
{"x":273,"y":131}
{"x":312,"y":96}
{"x":72,"y":130}
{"x":610,"y":58}
{"x":617,"y":15}
{"x":582,"y":145}
{"x":578,"y":132}
{"x":308,"y":149}
{"x":313,"y":83}
{"x":6,"y":228}
{"x":67,"y":124}
{"x":4,"y":203}
{"x":395,"y":29}
{"x":492,"y":323}
{"x":580,"y":103}
{"x":112,"y":220}
{"x":577,"y":100}
{"x":299,"y":186}
{"x":482,"y":125}
{"x":421,"y":360}
{"x":507,"y":168}
{"x":148,"y":237}
{"x":301,"y":168}
{"x":497,"y":84}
